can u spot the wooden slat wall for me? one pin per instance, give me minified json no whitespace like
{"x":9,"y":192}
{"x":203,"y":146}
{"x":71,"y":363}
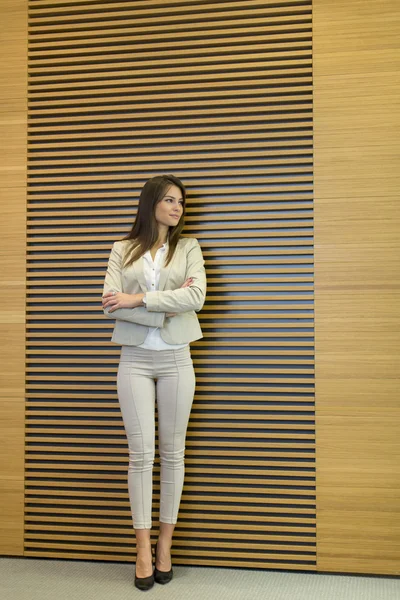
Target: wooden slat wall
{"x":219,"y":93}
{"x":357,"y":224}
{"x":13,"y":123}
{"x":356,"y":204}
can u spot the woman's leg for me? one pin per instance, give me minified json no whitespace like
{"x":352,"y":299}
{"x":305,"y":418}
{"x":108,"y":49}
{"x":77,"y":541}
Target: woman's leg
{"x":175,"y":390}
{"x":136,"y":394}
{"x":144,"y":558}
{"x":163,"y":558}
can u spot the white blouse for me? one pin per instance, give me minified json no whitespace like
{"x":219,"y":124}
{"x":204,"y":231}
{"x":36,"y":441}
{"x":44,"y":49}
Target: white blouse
{"x":151,"y":271}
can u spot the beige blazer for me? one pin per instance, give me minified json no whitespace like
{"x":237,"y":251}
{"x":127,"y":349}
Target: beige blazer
{"x":132,"y":324}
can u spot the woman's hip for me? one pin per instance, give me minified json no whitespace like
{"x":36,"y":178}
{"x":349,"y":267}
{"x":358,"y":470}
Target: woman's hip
{"x":155,"y":362}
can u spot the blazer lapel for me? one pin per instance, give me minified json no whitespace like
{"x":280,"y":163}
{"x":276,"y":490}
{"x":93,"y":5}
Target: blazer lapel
{"x":138,"y":267}
{"x":164,"y":273}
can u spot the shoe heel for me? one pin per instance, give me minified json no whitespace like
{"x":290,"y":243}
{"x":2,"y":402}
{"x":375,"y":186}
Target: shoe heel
{"x":162,"y":577}
{"x":144,"y":583}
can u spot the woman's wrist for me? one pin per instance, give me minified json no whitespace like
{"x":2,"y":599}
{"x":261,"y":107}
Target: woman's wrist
{"x":140,"y":299}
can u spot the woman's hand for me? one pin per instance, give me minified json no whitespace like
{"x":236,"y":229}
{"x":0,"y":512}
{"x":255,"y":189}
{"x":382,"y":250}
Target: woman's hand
{"x":188,"y":281}
{"x":113,"y":301}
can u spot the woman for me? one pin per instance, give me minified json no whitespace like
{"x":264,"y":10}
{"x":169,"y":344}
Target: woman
{"x":154,"y":285}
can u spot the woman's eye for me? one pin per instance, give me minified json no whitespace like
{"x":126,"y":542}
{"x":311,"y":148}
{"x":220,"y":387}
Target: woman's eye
{"x":170,"y":200}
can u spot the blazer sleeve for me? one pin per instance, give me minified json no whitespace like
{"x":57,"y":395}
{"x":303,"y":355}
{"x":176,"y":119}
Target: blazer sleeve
{"x":183,"y":299}
{"x":113,"y":282}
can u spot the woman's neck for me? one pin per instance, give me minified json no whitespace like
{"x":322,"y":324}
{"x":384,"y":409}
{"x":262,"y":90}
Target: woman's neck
{"x":163,"y":232}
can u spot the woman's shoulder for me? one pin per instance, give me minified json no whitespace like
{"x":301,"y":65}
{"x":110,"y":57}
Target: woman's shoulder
{"x":119,"y":244}
{"x":187,"y":242}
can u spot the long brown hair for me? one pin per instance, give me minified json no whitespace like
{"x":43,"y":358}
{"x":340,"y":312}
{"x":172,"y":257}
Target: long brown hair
{"x":144,"y":232}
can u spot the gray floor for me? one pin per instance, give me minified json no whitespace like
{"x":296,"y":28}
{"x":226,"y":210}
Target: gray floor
{"x":33,"y":579}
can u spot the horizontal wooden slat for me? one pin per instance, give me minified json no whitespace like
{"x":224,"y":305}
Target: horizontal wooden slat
{"x":112,"y":27}
{"x":68,"y":312}
{"x":113,"y":369}
{"x":266,"y":88}
{"x":97,"y":471}
{"x":229,"y":450}
{"x":149,"y":7}
{"x":296,"y":270}
{"x":285,"y":549}
{"x":210,"y":343}
{"x":194,"y":55}
{"x":228,"y":297}
{"x":197,"y":47}
{"x":74,"y":495}
{"x":211,"y":397}
{"x":64,"y":166}
{"x":33,"y":518}
{"x":222,"y":451}
{"x":278,"y":167}
{"x":256,"y":244}
{"x":261,"y":535}
{"x":293,"y":122}
{"x":117,"y":540}
{"x":195,"y":503}
{"x":287,"y":75}
{"x":180,"y":561}
{"x":292,"y":57}
{"x":198,"y":403}
{"x":231,"y":484}
{"x":80,"y":147}
{"x":223,"y":420}
{"x":67,"y":427}
{"x":286,"y":31}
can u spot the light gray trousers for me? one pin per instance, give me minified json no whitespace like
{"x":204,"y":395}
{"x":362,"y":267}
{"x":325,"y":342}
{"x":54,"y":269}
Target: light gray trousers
{"x":142,"y":373}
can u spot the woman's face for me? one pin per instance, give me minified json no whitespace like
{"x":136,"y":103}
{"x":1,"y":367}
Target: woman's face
{"x":170,"y":208}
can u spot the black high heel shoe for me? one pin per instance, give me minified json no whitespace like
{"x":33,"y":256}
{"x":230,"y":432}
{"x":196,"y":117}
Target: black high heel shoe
{"x":161,"y":576}
{"x":144,"y":583}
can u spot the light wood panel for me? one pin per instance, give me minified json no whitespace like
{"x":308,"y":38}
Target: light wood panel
{"x":219,"y":93}
{"x":357,"y":224}
{"x":13,"y":124}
